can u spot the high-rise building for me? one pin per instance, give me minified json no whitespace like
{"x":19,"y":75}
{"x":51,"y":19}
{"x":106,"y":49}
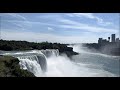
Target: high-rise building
{"x":113,"y":38}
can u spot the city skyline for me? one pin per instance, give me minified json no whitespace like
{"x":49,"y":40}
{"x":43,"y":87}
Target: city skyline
{"x":59,"y":27}
{"x":112,"y":39}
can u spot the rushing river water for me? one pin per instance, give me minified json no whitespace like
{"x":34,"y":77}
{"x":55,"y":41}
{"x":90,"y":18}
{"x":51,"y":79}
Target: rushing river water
{"x":48,"y":63}
{"x":103,"y":65}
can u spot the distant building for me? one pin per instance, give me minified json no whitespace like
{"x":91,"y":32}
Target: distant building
{"x":117,"y":40}
{"x":104,"y":41}
{"x":113,"y":38}
{"x":100,"y":41}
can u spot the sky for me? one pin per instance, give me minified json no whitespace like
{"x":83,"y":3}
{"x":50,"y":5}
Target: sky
{"x":59,"y":27}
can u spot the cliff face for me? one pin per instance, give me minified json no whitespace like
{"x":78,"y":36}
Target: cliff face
{"x":9,"y":67}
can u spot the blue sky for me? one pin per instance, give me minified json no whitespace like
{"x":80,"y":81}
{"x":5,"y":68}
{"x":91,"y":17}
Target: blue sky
{"x":59,"y":27}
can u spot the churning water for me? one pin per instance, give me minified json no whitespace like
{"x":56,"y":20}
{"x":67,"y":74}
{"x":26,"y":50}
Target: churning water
{"x":48,"y":63}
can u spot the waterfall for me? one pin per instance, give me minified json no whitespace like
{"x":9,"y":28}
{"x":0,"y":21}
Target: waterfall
{"x":31,"y":64}
{"x":34,"y":61}
{"x":50,"y":52}
{"x":48,"y":63}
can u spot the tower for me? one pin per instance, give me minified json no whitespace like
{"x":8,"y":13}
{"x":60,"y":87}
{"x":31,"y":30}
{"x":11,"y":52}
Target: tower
{"x":113,"y":38}
{"x":109,"y":39}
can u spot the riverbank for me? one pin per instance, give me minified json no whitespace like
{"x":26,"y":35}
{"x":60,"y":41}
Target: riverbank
{"x":6,"y":45}
{"x":9,"y":67}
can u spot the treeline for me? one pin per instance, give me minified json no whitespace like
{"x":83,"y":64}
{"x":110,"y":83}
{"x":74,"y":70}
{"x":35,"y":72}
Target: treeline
{"x":14,"y":45}
{"x":24,"y":45}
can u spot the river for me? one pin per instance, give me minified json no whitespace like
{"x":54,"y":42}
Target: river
{"x":48,"y":63}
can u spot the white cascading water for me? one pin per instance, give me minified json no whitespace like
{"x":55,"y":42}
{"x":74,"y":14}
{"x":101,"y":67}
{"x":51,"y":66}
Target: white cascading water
{"x":48,"y":63}
{"x":34,"y":61}
{"x":31,"y":64}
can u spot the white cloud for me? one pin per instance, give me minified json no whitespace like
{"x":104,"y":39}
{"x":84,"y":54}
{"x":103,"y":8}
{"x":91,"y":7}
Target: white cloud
{"x":76,"y":25}
{"x":65,"y":23}
{"x":21,"y":25}
{"x":50,"y":16}
{"x":101,"y":22}
{"x":87,"y":15}
{"x":91,"y":29}
{"x":91,"y":16}
{"x":16,"y":16}
{"x":50,"y":29}
{"x":71,"y":22}
{"x":18,"y":20}
{"x":70,"y":15}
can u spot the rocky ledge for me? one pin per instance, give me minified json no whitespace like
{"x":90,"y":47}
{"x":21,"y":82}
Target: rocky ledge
{"x":9,"y":67}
